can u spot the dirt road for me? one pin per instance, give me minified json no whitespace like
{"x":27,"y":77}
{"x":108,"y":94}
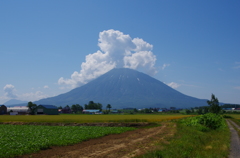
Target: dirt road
{"x":235,"y":142}
{"x":125,"y":145}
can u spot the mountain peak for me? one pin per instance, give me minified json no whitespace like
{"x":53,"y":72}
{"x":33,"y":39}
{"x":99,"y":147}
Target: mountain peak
{"x":124,"y":87}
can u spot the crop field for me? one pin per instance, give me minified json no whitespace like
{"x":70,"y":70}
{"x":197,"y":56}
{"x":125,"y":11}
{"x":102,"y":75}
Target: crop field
{"x":89,"y":118}
{"x":22,"y":139}
{"x":236,"y":116}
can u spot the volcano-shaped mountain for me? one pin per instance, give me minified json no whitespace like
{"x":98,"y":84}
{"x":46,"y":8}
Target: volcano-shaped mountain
{"x":125,"y":88}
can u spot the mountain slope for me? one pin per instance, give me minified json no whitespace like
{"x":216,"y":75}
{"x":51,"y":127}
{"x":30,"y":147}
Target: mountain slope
{"x":14,"y":102}
{"x":125,"y":88}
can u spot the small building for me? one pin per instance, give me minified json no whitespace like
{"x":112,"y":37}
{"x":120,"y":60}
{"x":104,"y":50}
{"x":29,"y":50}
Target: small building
{"x":46,"y":110}
{"x":114,"y":111}
{"x":18,"y":110}
{"x":92,"y":111}
{"x":66,"y":110}
{"x":3,"y":109}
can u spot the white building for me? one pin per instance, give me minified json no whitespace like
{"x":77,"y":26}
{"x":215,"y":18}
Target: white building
{"x":18,"y":110}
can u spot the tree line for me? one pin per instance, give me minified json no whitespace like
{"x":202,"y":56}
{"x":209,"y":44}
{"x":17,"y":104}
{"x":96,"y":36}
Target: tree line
{"x":76,"y":108}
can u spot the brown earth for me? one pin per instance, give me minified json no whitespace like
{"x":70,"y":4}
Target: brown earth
{"x":107,"y":124}
{"x":125,"y":145}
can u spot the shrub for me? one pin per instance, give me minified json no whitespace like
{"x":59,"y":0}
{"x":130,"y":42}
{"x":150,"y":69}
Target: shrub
{"x":227,"y":116}
{"x":206,"y":121}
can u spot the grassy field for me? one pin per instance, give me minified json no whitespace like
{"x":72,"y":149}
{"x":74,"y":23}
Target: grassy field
{"x":23,"y":139}
{"x":89,"y":118}
{"x":236,"y":116}
{"x":190,"y":142}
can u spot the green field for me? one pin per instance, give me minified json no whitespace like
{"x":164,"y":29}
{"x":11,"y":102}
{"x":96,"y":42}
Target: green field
{"x":23,"y":139}
{"x":89,"y":118}
{"x":196,"y":137}
{"x":236,"y":116}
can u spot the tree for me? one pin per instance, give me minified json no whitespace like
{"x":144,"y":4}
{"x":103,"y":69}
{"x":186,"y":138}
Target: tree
{"x":32,"y":107}
{"x":135,"y":110}
{"x":205,"y":109}
{"x":79,"y":108}
{"x":76,"y":108}
{"x":214,"y":105}
{"x":92,"y":105}
{"x":109,"y":107}
{"x":188,"y":111}
{"x":200,"y":111}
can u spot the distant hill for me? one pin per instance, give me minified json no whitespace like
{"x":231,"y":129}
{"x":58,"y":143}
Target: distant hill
{"x":14,"y":102}
{"x":125,"y":88}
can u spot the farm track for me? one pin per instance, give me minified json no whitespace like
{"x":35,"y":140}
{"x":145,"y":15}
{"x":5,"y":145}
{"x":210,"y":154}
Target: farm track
{"x":125,"y":145}
{"x":235,"y":141}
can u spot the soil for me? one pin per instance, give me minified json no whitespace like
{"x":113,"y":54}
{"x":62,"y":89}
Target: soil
{"x":125,"y":145}
{"x":109,"y":124}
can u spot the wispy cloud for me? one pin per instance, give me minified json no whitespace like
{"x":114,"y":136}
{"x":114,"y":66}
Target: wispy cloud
{"x":164,"y":66}
{"x":174,"y":85}
{"x":33,"y":96}
{"x":236,"y":65}
{"x":238,"y":87}
{"x":116,"y":50}
{"x":45,"y":87}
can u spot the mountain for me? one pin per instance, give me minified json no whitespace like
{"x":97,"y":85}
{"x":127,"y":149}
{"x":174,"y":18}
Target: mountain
{"x":14,"y":102}
{"x":125,"y":88}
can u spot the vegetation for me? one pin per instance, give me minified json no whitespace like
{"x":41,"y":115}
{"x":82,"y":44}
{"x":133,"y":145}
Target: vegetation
{"x":206,"y":135}
{"x":27,"y":139}
{"x":231,"y":106}
{"x":209,"y":121}
{"x":76,"y":108}
{"x":196,"y":137}
{"x":32,"y":107}
{"x":214,"y":105}
{"x":109,"y":107}
{"x":70,"y":118}
{"x":92,"y":105}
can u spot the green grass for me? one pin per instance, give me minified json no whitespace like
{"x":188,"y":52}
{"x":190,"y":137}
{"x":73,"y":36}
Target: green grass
{"x":89,"y":118}
{"x":189,"y":142}
{"x":22,"y":139}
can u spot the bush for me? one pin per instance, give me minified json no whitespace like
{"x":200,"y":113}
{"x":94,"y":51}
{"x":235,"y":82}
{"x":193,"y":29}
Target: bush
{"x":206,"y":121}
{"x":227,"y":116}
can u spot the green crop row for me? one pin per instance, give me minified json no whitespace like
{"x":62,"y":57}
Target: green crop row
{"x":22,"y":139}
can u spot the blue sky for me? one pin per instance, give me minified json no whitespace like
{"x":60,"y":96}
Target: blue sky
{"x":193,"y":46}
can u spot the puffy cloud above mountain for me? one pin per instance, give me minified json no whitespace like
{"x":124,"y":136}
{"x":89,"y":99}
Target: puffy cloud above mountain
{"x":117,"y":50}
{"x":9,"y":90}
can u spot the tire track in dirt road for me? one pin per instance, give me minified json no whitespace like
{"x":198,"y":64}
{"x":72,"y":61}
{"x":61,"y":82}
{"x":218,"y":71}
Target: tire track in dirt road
{"x":124,"y":145}
{"x":235,"y":142}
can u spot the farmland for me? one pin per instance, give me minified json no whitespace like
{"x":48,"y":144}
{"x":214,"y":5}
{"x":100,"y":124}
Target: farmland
{"x":29,"y":138}
{"x":164,"y":138}
{"x":89,"y":118}
{"x":22,"y":139}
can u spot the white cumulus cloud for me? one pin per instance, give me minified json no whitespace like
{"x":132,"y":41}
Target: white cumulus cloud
{"x":9,"y":90}
{"x":173,"y":85}
{"x":117,"y":50}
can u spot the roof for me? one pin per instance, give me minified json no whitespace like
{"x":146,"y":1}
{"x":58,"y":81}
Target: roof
{"x":49,"y":106}
{"x":18,"y":108}
{"x":91,"y":110}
